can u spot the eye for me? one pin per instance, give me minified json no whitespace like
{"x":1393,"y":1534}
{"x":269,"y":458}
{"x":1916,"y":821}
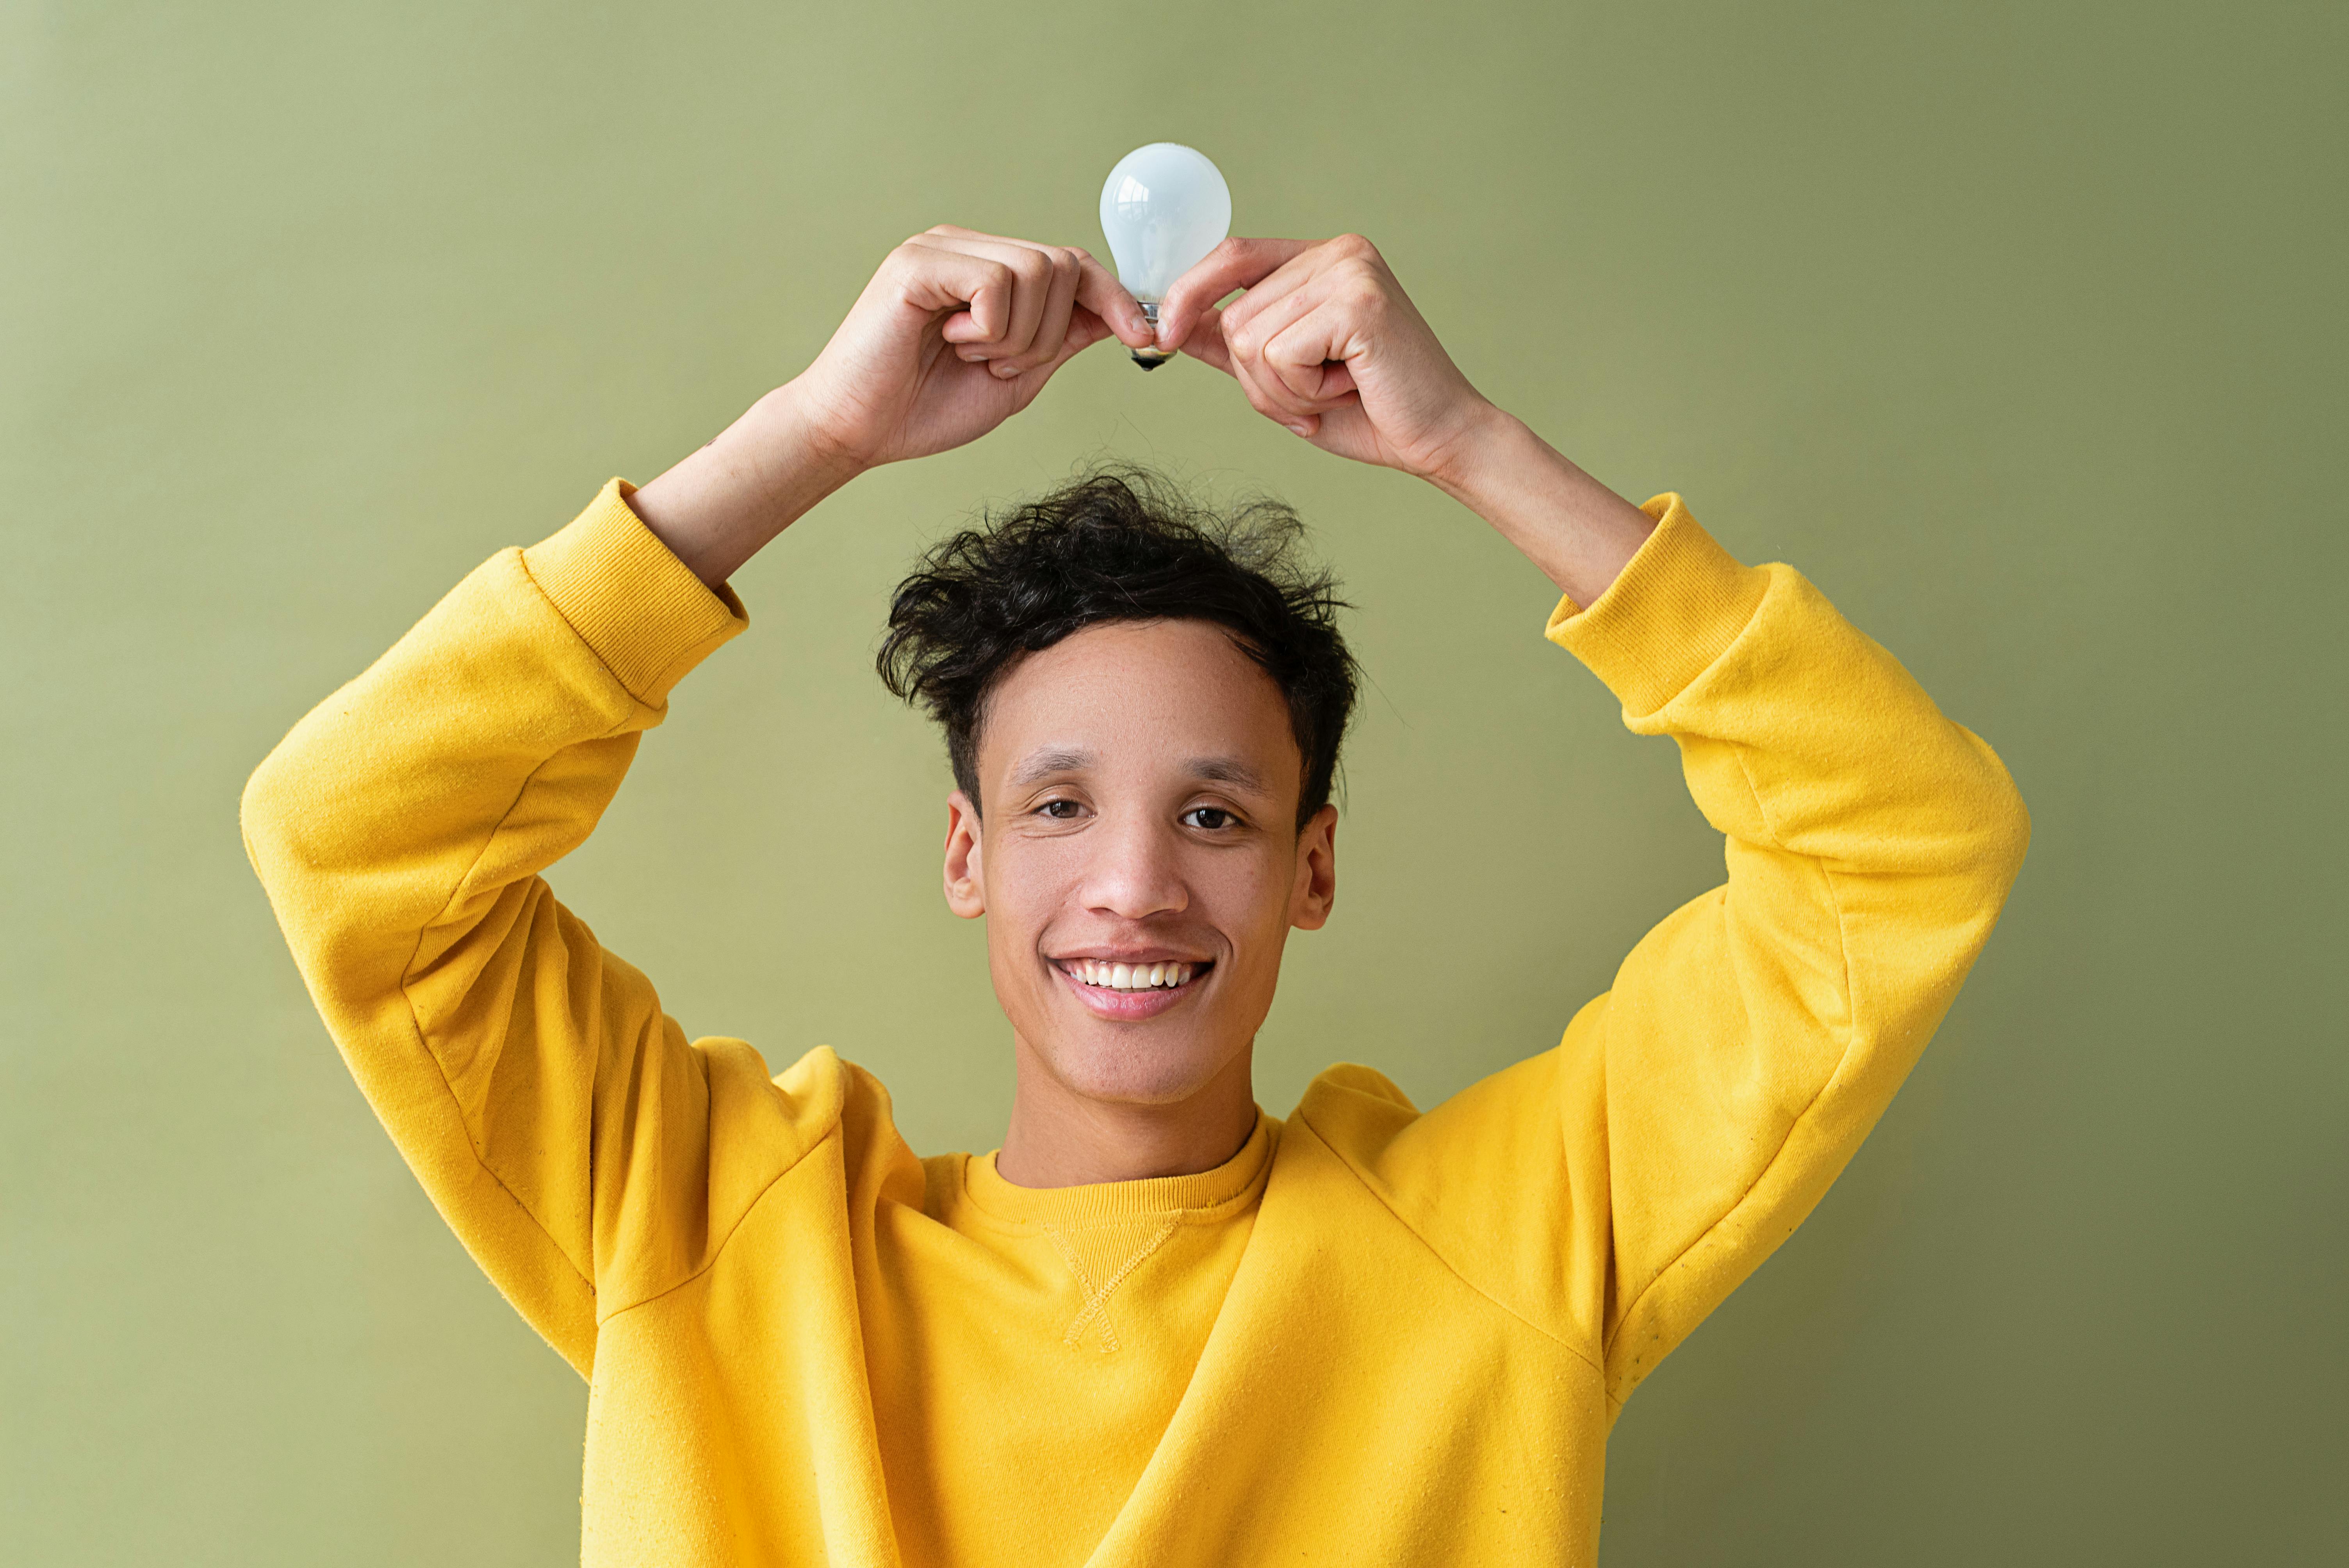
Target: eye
{"x":1210,"y":817}
{"x":1060,"y":810}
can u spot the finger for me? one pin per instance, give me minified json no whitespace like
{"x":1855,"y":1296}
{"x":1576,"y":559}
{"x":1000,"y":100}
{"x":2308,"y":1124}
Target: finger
{"x":1098,"y":289}
{"x":1308,"y":357}
{"x":1098,"y":292}
{"x":1307,"y":369}
{"x":1014,"y":328}
{"x":1084,"y":330}
{"x":1264,"y":396}
{"x":977,"y":289}
{"x":1284,"y":284}
{"x":1034,"y":293}
{"x":1269,"y":398}
{"x":1279,"y":390}
{"x":1206,"y":341}
{"x":1236,"y":264}
{"x":1246,"y":332}
{"x":1053,"y":323}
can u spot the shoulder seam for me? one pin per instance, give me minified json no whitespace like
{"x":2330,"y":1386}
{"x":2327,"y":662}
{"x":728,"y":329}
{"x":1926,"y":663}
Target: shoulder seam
{"x":829,"y":1132}
{"x":1450,"y":1267}
{"x":423,"y":1040}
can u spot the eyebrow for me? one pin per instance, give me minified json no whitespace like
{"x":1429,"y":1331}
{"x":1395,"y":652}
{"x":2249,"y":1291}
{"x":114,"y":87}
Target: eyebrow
{"x":1226,"y":770}
{"x":1053,"y":759}
{"x":1056,"y":759}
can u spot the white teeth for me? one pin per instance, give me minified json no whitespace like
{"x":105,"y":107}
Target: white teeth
{"x":1132,"y":976}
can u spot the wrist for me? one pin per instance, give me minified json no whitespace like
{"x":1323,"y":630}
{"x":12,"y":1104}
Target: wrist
{"x":804,"y":450}
{"x":725,"y":501}
{"x":1487,"y":444}
{"x":1578,"y":532}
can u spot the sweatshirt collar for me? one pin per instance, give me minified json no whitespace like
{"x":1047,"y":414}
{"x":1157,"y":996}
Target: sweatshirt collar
{"x":1233,"y":1184}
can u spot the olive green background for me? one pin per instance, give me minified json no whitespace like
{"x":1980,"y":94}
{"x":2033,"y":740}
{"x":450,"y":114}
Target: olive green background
{"x":2017,"y":326}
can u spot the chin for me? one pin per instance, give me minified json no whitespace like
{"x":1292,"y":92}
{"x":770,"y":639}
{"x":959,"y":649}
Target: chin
{"x":1135,"y":1070}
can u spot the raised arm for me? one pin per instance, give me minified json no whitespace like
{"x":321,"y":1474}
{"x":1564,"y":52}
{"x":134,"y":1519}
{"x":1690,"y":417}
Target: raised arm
{"x":530,"y":1079}
{"x":1615,"y":1189}
{"x":559,"y":1120}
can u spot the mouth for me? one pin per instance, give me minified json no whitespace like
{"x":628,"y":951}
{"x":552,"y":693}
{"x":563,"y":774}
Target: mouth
{"x":1127,"y":990}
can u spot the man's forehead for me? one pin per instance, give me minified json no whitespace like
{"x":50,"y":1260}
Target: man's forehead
{"x":1189,"y":670}
{"x":1177,"y":693}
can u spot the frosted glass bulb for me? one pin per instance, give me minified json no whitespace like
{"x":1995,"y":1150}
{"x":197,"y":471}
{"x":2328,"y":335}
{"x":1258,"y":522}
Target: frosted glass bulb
{"x":1162,"y":208}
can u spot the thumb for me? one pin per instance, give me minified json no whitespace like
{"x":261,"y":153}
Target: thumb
{"x":1086,"y":329}
{"x":1206,"y":339}
{"x":1236,"y":263}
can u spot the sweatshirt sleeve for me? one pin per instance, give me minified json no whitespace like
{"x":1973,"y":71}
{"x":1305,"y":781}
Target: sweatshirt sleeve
{"x":558,"y":1120}
{"x":1616,"y":1188}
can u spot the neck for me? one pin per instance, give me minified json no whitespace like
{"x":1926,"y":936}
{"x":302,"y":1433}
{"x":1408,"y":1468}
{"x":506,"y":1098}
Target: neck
{"x":1058,"y":1137}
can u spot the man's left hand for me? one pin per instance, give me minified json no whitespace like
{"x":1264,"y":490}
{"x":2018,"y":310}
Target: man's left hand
{"x":1326,"y":343}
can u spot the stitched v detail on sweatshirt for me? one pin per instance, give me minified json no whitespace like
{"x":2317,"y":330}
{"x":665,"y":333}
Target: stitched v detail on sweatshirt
{"x":1102,"y":1257}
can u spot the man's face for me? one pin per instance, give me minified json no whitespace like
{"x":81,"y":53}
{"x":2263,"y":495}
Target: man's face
{"x":1141,"y":783}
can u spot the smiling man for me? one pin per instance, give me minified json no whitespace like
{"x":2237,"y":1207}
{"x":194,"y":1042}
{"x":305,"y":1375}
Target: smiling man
{"x":1157,"y":1326}
{"x":1154,"y":725}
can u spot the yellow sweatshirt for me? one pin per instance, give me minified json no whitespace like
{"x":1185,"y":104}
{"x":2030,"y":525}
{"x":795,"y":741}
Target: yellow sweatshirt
{"x":1377,"y":1335}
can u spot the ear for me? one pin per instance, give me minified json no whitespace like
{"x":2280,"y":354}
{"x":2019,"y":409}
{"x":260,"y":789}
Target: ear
{"x":966,"y":878}
{"x":1316,"y":888}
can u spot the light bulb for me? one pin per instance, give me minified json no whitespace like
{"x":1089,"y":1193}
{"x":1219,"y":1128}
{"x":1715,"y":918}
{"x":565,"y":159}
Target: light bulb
{"x":1162,"y":208}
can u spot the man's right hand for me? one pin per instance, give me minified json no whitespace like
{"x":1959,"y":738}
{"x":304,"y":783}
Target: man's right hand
{"x":956,"y":332}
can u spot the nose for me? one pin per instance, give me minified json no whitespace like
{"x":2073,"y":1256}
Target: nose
{"x":1132,"y":872}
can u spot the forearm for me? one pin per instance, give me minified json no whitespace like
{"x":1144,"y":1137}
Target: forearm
{"x":1580,"y":534}
{"x":726,"y":501}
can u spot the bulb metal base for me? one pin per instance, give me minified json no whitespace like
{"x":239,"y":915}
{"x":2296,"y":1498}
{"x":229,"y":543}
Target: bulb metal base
{"x":1149,"y":358}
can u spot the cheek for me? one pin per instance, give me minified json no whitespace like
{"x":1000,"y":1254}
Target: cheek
{"x":1025,"y":890}
{"x":1245,"y":897}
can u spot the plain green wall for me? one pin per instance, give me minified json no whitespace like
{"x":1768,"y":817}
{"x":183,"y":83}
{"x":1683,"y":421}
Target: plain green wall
{"x":2017,"y":326}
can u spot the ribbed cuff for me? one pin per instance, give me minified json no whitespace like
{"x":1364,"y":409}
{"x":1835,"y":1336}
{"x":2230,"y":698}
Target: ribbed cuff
{"x":1674,"y":610}
{"x":641,"y":609}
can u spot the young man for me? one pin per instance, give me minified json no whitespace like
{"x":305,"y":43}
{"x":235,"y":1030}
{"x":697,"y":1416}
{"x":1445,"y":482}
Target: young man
{"x":1157,"y":1327}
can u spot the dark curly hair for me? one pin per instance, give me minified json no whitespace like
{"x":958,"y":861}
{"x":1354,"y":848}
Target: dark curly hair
{"x":1120,"y":544}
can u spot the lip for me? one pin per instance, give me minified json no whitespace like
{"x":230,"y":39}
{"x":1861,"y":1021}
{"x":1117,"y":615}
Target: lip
{"x":1128,"y":1006}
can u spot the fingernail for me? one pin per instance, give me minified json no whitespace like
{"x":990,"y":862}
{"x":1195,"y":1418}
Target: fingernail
{"x":1006,"y":371}
{"x":1302,"y":430}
